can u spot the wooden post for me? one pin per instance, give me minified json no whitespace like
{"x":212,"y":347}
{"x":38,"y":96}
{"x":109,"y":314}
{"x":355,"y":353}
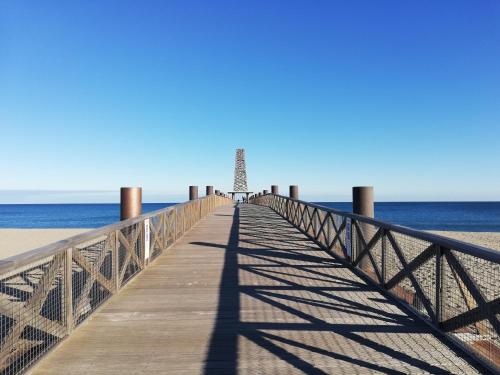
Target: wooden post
{"x":383,"y":240}
{"x":116,"y":261}
{"x":294,"y":192}
{"x":274,"y":189}
{"x":130,"y":202}
{"x":193,"y":192}
{"x":209,"y":190}
{"x":439,"y":285}
{"x":68,"y":290}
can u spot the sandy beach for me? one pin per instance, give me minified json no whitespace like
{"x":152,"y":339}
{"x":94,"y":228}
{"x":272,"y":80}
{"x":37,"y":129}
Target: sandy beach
{"x":16,"y":241}
{"x":485,"y":239}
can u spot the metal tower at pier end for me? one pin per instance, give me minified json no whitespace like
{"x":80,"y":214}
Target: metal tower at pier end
{"x":240,"y":171}
{"x":240,"y":174}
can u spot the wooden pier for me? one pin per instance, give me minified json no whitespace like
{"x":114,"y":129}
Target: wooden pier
{"x":246,"y":292}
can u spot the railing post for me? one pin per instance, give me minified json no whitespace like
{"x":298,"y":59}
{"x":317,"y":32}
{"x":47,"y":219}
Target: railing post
{"x":130,"y":202}
{"x":294,"y":192}
{"x":209,"y":190}
{"x":265,"y":192}
{"x":383,"y":240}
{"x":68,"y":290}
{"x":146,"y":240}
{"x":175,"y":224}
{"x":193,"y":192}
{"x":439,"y":285}
{"x":274,"y":189}
{"x":116,"y":261}
{"x":164,"y":231}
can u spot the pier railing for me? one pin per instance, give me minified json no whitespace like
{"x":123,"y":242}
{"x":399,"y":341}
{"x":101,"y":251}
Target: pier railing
{"x":48,"y":292}
{"x":452,"y":285}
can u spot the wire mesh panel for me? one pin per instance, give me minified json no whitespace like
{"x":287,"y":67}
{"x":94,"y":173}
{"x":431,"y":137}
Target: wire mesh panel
{"x":413,"y":282}
{"x":169,"y":228}
{"x":32,"y":312}
{"x":130,"y":251}
{"x":322,"y":227}
{"x":309,"y":221}
{"x":338,"y":241}
{"x":157,"y":234}
{"x":470,"y":310}
{"x":453,"y":285}
{"x":92,"y":275}
{"x":367,"y":249}
{"x":180,"y":222}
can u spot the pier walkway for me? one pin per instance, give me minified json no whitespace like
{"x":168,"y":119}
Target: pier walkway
{"x":245,"y":292}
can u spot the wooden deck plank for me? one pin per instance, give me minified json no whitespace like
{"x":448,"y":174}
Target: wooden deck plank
{"x":245,"y":292}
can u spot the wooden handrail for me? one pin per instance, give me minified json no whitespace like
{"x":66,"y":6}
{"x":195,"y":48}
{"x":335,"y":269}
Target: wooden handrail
{"x":450,"y":243}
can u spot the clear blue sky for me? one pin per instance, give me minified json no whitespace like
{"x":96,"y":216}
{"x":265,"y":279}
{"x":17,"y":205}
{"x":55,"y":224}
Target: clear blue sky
{"x":402,"y":95}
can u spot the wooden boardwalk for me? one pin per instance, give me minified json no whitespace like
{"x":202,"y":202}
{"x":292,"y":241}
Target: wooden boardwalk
{"x":245,"y":292}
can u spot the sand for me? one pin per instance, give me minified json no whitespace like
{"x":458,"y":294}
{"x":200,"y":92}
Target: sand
{"x":16,"y":241}
{"x":487,"y":239}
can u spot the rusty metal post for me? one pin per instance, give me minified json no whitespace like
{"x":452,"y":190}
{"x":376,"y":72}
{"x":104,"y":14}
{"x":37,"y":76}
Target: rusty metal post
{"x":265,"y":192}
{"x":193,"y":192}
{"x":130,"y":202}
{"x":362,"y":201}
{"x":274,"y":189}
{"x":362,"y":204}
{"x":209,"y":190}
{"x":294,"y":192}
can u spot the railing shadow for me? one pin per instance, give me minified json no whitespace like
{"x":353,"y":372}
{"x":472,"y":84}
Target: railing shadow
{"x":291,"y":283}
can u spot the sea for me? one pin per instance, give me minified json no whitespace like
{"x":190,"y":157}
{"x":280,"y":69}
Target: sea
{"x":449,"y":216}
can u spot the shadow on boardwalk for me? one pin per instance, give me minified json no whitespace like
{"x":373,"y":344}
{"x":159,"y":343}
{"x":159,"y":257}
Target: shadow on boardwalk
{"x":285,"y":305}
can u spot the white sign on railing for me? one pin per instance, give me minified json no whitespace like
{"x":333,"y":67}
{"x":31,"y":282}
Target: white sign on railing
{"x":348,"y":237}
{"x":146,"y":239}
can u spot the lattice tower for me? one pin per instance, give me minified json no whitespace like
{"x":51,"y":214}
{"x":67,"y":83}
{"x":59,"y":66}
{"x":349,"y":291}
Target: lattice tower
{"x":240,"y":172}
